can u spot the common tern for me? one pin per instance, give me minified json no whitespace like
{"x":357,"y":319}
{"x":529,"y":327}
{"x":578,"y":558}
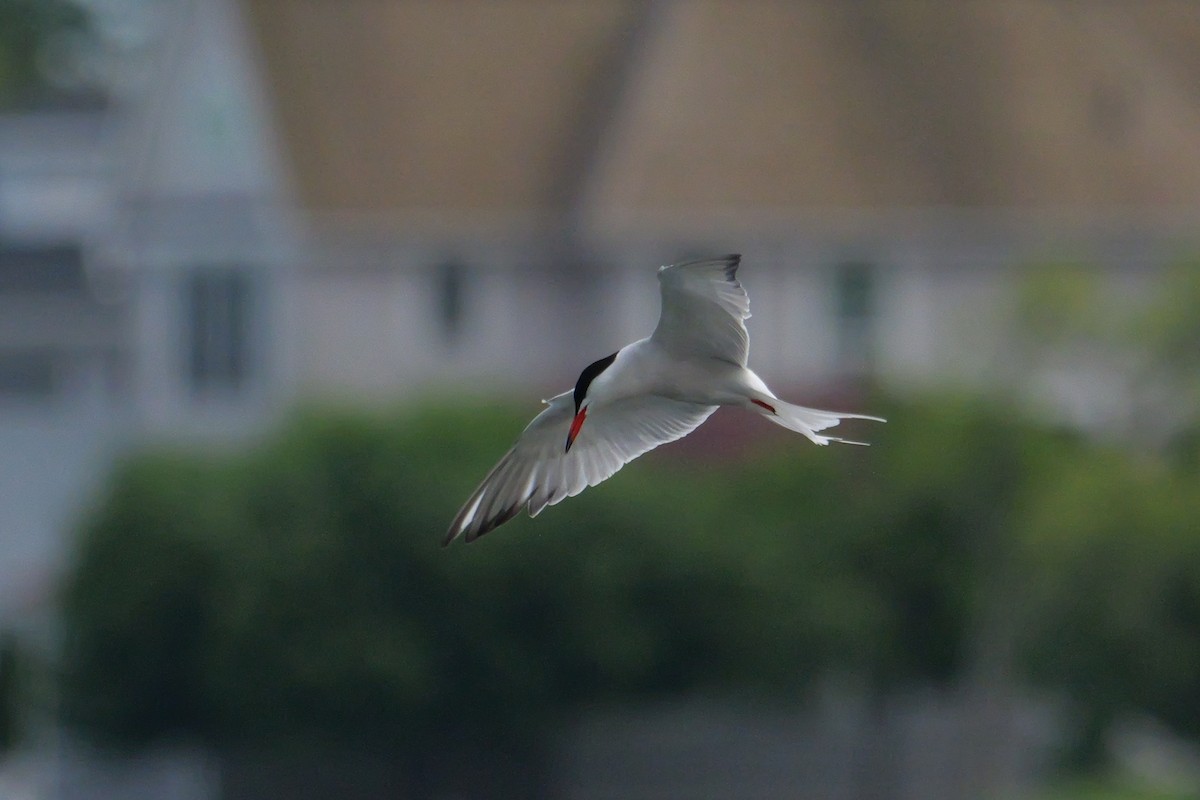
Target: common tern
{"x":650,"y":392}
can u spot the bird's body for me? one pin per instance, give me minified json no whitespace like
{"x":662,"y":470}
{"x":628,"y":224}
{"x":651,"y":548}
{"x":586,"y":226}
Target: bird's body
{"x":644,"y":367}
{"x":650,"y":392}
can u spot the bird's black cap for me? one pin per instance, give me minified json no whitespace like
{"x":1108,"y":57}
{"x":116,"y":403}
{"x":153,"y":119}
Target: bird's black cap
{"x":588,"y":375}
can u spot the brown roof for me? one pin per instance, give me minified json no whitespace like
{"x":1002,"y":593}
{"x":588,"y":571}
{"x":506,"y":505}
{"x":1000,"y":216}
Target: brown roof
{"x":455,"y":105}
{"x":481,"y":106}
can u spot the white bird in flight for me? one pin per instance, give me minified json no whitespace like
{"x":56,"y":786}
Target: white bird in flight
{"x":650,"y":392}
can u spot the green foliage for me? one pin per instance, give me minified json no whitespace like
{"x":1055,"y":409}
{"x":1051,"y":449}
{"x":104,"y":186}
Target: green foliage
{"x":27,"y":27}
{"x":298,"y":591}
{"x":1106,"y":544}
{"x":1113,"y":608}
{"x":1060,"y":299}
{"x":1169,"y":326}
{"x":143,"y":594}
{"x":1144,"y":337}
{"x":1111,"y":789}
{"x":10,"y":691}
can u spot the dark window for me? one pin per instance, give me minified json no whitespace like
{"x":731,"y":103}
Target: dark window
{"x":27,"y":374}
{"x":452,"y":280}
{"x":855,"y":303}
{"x":218,"y":335}
{"x":41,"y":268}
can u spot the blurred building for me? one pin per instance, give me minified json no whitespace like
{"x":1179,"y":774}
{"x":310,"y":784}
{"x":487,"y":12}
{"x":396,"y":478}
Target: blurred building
{"x":144,"y":240}
{"x":487,"y":187}
{"x":60,"y":346}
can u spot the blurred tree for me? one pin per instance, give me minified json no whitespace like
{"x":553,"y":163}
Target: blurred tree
{"x":1167,"y":380}
{"x":297,"y":592}
{"x":1108,"y":543}
{"x":28,"y":28}
{"x":1142,"y":344}
{"x":141,"y":602}
{"x":10,"y":691}
{"x":1112,"y":604}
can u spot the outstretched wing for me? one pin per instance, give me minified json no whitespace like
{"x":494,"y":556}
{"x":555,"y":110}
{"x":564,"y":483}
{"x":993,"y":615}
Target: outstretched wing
{"x":537,"y":472}
{"x":704,"y":309}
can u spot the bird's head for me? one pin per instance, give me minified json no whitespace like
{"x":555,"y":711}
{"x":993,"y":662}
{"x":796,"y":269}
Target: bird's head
{"x":582,"y":399}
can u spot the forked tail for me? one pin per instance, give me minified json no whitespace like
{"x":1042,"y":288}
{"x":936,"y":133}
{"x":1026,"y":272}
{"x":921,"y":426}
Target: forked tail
{"x":805,"y":420}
